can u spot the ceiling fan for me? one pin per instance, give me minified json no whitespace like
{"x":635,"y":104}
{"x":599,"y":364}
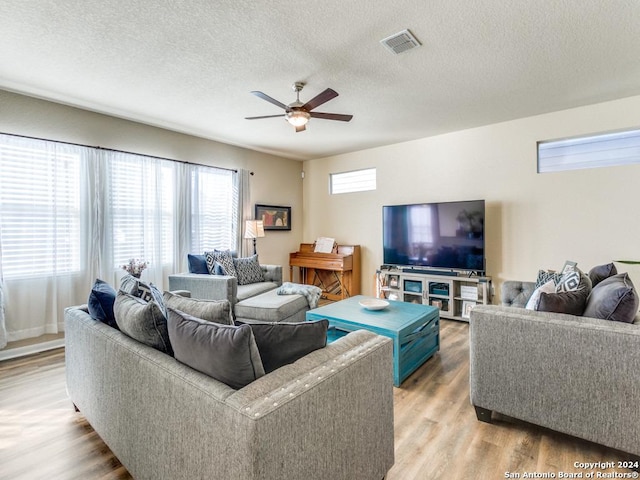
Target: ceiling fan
{"x":298,"y":113}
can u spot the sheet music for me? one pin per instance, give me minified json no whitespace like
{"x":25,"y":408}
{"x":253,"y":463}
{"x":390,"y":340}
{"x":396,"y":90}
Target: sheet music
{"x":324,"y":245}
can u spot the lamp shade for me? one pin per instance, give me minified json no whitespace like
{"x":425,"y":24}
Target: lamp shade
{"x":253,"y":229}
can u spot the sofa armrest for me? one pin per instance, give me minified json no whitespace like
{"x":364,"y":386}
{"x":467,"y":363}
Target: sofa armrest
{"x":516,"y":294}
{"x":207,"y":287}
{"x":272,"y":273}
{"x":576,"y":375}
{"x":338,"y":399}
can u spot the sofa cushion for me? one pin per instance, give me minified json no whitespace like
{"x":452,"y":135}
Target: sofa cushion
{"x":100,"y":303}
{"x":271,"y":307}
{"x":142,"y":321}
{"x":145,"y":290}
{"x":534,"y":300}
{"x":210,"y":310}
{"x":227,"y":353}
{"x":197,"y":264}
{"x":570,"y":296}
{"x":248,"y":270}
{"x":572,"y":303}
{"x":614,"y":298}
{"x":280,"y":344}
{"x":252,"y":289}
{"x":545,"y":275}
{"x":600,"y":272}
{"x":224,"y":258}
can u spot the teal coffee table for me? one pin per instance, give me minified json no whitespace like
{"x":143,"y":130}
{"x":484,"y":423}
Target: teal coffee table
{"x":414,"y":329}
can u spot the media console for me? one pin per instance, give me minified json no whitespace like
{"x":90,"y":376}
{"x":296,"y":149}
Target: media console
{"x":455,"y":295}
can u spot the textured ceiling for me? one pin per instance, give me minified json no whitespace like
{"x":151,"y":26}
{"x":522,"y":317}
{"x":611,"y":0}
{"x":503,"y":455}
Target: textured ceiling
{"x":190,"y":65}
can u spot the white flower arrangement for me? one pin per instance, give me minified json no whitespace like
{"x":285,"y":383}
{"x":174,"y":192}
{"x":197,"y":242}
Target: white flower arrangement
{"x":135,"y":266}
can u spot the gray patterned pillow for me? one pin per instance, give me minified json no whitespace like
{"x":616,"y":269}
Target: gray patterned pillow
{"x":142,"y":321}
{"x":248,"y":270}
{"x":224,"y":258}
{"x":569,"y":282}
{"x":141,"y":289}
{"x":544,"y":276}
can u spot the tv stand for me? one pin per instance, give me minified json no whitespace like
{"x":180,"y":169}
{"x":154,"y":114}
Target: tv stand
{"x":452,"y":293}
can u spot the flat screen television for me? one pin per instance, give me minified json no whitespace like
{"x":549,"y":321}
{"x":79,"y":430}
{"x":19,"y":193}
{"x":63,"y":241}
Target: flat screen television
{"x":438,"y":236}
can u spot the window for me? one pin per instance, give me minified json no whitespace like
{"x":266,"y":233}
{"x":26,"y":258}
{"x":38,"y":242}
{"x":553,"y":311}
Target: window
{"x":355,"y":181}
{"x":39,"y":210}
{"x":214,"y":209}
{"x":141,"y":198}
{"x":604,"y":150}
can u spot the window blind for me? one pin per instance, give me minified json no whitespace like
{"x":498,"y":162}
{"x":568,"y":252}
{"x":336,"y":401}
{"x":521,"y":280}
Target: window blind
{"x":355,"y":181}
{"x":604,"y":150}
{"x":214,"y":208}
{"x":39,"y":211}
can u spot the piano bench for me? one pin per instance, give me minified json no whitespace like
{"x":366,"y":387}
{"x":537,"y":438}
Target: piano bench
{"x":271,"y":307}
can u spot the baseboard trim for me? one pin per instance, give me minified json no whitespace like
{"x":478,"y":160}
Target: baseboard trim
{"x":10,"y":353}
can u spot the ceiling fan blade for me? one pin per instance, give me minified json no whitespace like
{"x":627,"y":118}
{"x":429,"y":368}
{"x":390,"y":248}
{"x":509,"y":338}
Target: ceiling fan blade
{"x":266,"y":97}
{"x":264,"y":116}
{"x":319,"y":99}
{"x":331,"y":116}
{"x":301,"y":128}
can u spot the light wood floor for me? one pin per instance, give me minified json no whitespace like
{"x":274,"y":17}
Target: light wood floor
{"x":437,"y":435}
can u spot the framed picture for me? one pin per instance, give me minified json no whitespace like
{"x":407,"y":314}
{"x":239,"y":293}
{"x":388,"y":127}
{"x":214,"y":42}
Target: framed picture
{"x":466,"y":308}
{"x":569,"y":266}
{"x":274,"y":218}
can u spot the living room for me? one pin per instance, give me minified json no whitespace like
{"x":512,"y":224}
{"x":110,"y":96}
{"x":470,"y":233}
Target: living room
{"x":533,"y":220}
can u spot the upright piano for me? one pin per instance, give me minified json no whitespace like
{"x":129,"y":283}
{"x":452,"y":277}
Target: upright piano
{"x":336,"y":273}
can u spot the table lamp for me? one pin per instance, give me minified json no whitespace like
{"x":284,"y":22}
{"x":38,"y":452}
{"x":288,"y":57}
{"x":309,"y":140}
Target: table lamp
{"x":253,"y":229}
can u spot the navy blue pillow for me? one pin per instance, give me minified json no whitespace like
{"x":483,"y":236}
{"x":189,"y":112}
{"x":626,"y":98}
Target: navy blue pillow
{"x":197,"y":264}
{"x":101,"y":301}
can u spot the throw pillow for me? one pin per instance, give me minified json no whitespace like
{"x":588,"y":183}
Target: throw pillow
{"x":100,"y":303}
{"x":282,"y":343}
{"x":601,"y":272}
{"x":224,"y":258}
{"x":248,"y":270}
{"x":545,"y":275}
{"x":534,"y":300}
{"x":142,"y":321}
{"x":569,"y":282}
{"x":564,"y":300}
{"x":614,"y":298}
{"x":197,"y":264}
{"x":210,"y":310}
{"x":572,"y":302}
{"x":144,"y":290}
{"x":225,"y":352}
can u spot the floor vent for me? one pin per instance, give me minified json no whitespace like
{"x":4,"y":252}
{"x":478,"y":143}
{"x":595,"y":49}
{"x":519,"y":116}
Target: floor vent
{"x":400,"y":42}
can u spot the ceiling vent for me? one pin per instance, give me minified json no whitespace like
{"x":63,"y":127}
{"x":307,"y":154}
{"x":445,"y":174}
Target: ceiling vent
{"x":400,"y":42}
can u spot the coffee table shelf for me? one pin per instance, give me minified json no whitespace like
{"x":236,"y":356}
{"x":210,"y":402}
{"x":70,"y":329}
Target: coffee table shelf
{"x":414,"y":329}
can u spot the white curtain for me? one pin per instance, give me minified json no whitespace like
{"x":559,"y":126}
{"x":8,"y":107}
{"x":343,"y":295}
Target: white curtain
{"x":41,"y":234}
{"x":71,"y":214}
{"x":244,"y":212}
{"x":3,"y":328}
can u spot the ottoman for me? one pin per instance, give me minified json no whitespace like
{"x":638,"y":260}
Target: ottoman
{"x":271,"y":307}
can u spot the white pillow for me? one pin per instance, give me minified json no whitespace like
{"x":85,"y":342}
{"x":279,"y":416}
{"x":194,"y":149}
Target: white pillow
{"x":549,"y":287}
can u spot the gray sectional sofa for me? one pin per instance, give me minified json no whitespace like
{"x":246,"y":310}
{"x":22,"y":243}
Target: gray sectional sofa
{"x":573,"y":374}
{"x":329,"y":415}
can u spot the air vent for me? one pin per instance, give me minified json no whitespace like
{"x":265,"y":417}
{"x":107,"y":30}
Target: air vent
{"x":400,"y":42}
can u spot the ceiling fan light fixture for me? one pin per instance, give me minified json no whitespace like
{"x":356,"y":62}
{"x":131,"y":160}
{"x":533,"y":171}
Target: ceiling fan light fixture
{"x":297,"y":118}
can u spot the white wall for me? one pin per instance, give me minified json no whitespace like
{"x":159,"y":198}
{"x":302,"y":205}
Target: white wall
{"x":276,"y":180}
{"x":533,"y":220}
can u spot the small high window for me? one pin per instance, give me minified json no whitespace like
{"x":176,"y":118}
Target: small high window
{"x":355,"y":181}
{"x":603,"y":150}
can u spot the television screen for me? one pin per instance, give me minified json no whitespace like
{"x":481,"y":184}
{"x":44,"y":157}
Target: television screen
{"x":447,"y":235}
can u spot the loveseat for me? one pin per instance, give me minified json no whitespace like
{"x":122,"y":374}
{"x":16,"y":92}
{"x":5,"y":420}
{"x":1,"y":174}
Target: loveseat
{"x":225,"y":287}
{"x":328,"y":415}
{"x":573,"y":374}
